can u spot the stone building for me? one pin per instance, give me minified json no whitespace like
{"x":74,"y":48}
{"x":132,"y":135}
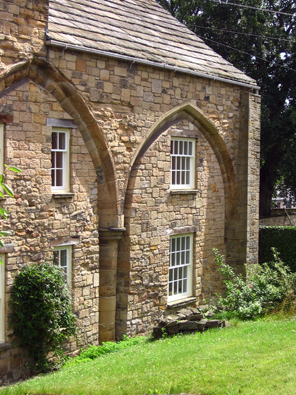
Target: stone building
{"x":139,"y":151}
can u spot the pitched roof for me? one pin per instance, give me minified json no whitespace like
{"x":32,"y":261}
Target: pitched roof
{"x":139,"y":30}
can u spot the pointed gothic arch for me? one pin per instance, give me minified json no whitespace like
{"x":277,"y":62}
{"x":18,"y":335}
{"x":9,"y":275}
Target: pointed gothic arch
{"x":194,"y":115}
{"x":44,"y":74}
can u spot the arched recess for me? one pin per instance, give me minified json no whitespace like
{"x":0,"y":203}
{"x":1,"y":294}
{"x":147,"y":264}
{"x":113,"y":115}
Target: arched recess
{"x":45,"y":75}
{"x":42,"y":73}
{"x":194,"y":115}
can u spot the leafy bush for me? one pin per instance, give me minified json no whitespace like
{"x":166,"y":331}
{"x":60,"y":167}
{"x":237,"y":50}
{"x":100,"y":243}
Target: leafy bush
{"x":41,"y":313}
{"x":93,"y":352}
{"x":263,"y":289}
{"x":283,"y":239}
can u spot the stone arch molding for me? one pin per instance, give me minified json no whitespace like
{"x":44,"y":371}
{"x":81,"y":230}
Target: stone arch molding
{"x":42,"y":73}
{"x":194,"y":115}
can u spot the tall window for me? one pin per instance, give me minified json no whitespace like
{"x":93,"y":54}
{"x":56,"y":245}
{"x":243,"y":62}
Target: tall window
{"x":60,"y":160}
{"x":62,"y":256}
{"x":182,"y":163}
{"x":1,"y":148}
{"x":180,"y":269}
{"x":2,"y":299}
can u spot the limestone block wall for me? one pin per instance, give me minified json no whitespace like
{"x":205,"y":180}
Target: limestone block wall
{"x":127,"y":99}
{"x":280,"y":217}
{"x":122,"y":116}
{"x":22,"y":30}
{"x":152,"y":212}
{"x":37,"y":220}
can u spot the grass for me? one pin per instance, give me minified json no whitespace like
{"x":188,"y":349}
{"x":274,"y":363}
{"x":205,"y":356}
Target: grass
{"x":253,"y":357}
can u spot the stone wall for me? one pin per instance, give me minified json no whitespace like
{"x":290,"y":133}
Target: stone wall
{"x":122,"y":116}
{"x":38,"y":221}
{"x":280,"y":217}
{"x":152,"y":213}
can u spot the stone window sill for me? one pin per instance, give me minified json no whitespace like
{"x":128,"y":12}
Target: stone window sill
{"x":184,"y":191}
{"x":63,"y":195}
{"x":181,"y":303}
{"x":4,"y":346}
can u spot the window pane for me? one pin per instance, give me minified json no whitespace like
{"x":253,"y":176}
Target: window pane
{"x":59,"y":160}
{"x":54,"y":140}
{"x":175,"y":288}
{"x":190,"y":148}
{"x":62,"y":141}
{"x":56,"y":257}
{"x":176,"y":151}
{"x":175,"y":274}
{"x":184,"y":286}
{"x":180,"y":147}
{"x":59,"y":178}
{"x":63,"y":258}
{"x":173,"y":241}
{"x":187,"y":178}
{"x":173,"y":259}
{"x":178,"y":178}
{"x":180,"y":286}
{"x":173,"y":163}
{"x":183,"y":243}
{"x":187,"y":257}
{"x":187,"y":242}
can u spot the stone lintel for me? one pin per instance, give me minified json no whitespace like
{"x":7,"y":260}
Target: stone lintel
{"x":63,"y":241}
{"x":181,"y":230}
{"x":61,"y":123}
{"x":183,"y":133}
{"x":7,"y":248}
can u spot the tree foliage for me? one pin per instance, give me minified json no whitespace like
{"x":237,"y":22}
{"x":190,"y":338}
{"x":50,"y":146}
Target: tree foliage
{"x":260,"y":40}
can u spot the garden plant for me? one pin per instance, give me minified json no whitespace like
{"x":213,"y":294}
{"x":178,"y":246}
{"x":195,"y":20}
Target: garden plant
{"x":41,"y":314}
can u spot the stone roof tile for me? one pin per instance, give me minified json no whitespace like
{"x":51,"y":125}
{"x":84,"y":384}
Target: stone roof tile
{"x":137,"y":29}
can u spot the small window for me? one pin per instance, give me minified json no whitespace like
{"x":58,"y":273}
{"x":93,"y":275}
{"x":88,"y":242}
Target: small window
{"x":182,"y":163}
{"x":1,"y":148}
{"x":2,"y":299}
{"x":180,"y":267}
{"x":60,"y":160}
{"x":62,"y":256}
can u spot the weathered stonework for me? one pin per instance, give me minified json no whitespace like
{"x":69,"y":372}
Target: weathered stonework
{"x":120,"y":212}
{"x":280,"y":217}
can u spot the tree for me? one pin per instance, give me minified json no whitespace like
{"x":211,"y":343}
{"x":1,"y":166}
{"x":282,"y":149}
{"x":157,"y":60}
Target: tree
{"x":259,"y":39}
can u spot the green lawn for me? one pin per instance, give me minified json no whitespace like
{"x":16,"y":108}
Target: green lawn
{"x":250,"y":358}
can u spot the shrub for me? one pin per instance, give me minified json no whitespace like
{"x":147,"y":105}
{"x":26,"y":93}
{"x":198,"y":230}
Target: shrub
{"x":41,"y":314}
{"x":263,"y":289}
{"x":283,"y":239}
